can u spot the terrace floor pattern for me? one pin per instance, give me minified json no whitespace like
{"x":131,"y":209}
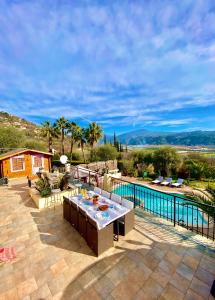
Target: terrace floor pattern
{"x":154,"y":261}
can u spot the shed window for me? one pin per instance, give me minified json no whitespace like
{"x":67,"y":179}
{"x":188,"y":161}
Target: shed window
{"x":17,"y":163}
{"x":38,"y":161}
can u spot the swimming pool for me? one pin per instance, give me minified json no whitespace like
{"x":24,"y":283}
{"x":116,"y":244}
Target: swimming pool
{"x":162,"y":204}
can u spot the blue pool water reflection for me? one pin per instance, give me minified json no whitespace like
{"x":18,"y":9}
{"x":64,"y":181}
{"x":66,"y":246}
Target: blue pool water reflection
{"x":163,"y":204}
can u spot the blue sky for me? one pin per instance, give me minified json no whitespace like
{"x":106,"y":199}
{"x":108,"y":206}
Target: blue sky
{"x":125,"y":64}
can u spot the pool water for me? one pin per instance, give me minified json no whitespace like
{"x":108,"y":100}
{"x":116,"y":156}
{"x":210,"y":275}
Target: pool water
{"x":162,"y":204}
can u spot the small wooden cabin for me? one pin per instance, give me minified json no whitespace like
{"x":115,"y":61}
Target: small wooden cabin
{"x":24,"y":162}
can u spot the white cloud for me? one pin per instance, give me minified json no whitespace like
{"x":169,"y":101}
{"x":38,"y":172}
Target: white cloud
{"x":143,"y":60}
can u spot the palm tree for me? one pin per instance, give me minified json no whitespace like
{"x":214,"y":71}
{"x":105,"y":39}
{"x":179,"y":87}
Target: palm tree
{"x":62,"y":125}
{"x":205,"y":200}
{"x":81,"y":138}
{"x":93,"y":134}
{"x":48,"y":131}
{"x":74,"y":130}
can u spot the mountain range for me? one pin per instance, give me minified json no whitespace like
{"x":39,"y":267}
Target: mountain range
{"x":143,"y":137}
{"x":136,"y":137}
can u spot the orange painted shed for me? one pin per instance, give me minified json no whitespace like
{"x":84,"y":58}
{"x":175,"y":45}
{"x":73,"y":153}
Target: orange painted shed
{"x":24,"y":162}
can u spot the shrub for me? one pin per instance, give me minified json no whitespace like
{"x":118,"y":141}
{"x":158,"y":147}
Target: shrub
{"x":104,"y":153}
{"x":127,"y":167}
{"x":35,"y":145}
{"x":11,"y":138}
{"x":43,"y":186}
{"x":166,"y":161}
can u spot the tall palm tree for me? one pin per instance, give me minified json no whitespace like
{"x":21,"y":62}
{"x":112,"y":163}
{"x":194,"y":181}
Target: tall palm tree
{"x":81,"y":138}
{"x":93,"y":134}
{"x":48,"y":131}
{"x":62,"y":125}
{"x":75,"y":131}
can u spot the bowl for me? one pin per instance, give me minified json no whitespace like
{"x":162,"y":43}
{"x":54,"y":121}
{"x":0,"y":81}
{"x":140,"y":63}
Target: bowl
{"x":103,"y":207}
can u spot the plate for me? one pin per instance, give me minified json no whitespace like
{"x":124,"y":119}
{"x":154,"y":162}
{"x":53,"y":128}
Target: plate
{"x":103,"y":207}
{"x":88,"y":202}
{"x":102,"y":215}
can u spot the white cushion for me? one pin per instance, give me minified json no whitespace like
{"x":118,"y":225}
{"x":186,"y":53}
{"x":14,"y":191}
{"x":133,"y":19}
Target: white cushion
{"x":105,"y":194}
{"x":116,"y":198}
{"x":97,"y":190}
{"x":127,"y":203}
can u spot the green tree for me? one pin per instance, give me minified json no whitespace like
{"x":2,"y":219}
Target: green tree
{"x":74,"y":130}
{"x":61,"y":124}
{"x":36,"y":145}
{"x":11,"y":138}
{"x":49,"y":132}
{"x":115,"y":142}
{"x":104,"y":153}
{"x":81,"y":138}
{"x":165,"y":161}
{"x":105,"y":139}
{"x":93,"y":134}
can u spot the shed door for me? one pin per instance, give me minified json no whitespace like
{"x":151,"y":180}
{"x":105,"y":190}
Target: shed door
{"x":37,"y":163}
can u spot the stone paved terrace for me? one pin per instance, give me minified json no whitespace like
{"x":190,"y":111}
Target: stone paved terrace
{"x":154,"y":261}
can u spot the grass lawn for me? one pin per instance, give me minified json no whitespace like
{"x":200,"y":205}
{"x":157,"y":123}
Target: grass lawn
{"x":201,"y":184}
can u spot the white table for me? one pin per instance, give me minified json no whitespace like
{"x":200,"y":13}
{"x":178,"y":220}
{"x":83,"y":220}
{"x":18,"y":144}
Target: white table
{"x":115,"y":210}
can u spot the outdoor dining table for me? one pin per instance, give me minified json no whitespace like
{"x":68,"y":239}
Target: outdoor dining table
{"x":94,"y":225}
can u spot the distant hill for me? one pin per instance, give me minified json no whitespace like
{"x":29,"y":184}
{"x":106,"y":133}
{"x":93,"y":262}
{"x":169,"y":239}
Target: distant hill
{"x":192,"y":138}
{"x":29,"y":128}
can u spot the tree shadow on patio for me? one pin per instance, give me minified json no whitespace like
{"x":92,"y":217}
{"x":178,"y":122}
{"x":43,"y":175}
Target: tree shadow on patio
{"x":22,"y":190}
{"x":56,"y":231}
{"x":139,"y":267}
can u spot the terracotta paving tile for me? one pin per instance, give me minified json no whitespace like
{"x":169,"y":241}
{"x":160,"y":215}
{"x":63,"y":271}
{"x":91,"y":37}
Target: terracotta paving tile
{"x":204,"y":276}
{"x":173,"y":258}
{"x":72,"y":291}
{"x":26,"y":287}
{"x":53,"y":262}
{"x":116,"y":274}
{"x":11,"y":294}
{"x":42,"y":293}
{"x":207,"y":264}
{"x":59,"y":267}
{"x":191,"y":295}
{"x":104,"y":286}
{"x":90,"y":294}
{"x":161,"y":277}
{"x":151,"y":290}
{"x":200,"y":287}
{"x":190,"y":261}
{"x":56,"y":284}
{"x":87,"y":279}
{"x":167,"y":266}
{"x":185,"y":271}
{"x":171,"y":293}
{"x":125,"y":290}
{"x":151,"y":262}
{"x":180,"y":282}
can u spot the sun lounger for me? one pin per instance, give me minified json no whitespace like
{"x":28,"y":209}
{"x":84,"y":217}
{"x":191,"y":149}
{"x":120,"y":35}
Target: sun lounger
{"x":178,"y":183}
{"x":158,"y":180}
{"x":167,"y":181}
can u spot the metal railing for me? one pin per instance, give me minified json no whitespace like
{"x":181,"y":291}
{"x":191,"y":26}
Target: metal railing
{"x":176,"y":208}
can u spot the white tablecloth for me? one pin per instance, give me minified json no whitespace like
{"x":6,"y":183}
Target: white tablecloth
{"x":115,"y":210}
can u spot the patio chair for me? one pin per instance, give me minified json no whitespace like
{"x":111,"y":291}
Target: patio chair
{"x":74,"y":215}
{"x":167,"y":181}
{"x":99,"y":240}
{"x":178,"y":183}
{"x":127,"y":203}
{"x":116,"y":198}
{"x":66,"y":209}
{"x":97,"y":190}
{"x":126,"y":223}
{"x":105,"y":194}
{"x":158,"y":180}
